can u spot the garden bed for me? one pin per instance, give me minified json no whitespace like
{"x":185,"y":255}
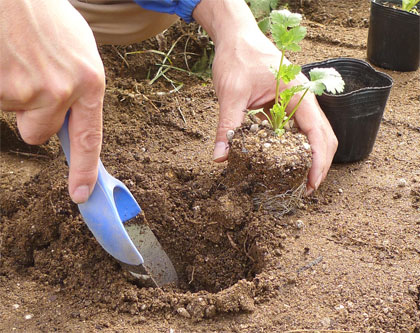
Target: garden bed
{"x":345,"y":259}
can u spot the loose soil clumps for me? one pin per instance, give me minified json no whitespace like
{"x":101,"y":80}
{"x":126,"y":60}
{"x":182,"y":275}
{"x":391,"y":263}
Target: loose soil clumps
{"x":274,"y":168}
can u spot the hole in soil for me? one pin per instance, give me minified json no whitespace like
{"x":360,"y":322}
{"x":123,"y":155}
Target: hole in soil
{"x":217,"y":266}
{"x":206,"y":230}
{"x":214,"y":259}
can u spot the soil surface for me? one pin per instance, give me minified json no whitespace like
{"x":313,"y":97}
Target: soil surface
{"x":346,"y":259}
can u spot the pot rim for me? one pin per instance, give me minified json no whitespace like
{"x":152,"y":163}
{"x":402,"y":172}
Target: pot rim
{"x":358,"y":62}
{"x":395,"y":10}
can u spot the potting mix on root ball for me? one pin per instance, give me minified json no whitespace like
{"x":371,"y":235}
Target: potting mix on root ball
{"x":273,"y":168}
{"x":345,"y":259}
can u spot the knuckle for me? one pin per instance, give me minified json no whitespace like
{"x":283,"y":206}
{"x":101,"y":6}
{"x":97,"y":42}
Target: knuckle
{"x":60,"y":94}
{"x":334,"y":142}
{"x":89,"y":141}
{"x":94,"y":77}
{"x":84,"y":173}
{"x":22,"y":95}
{"x":227,"y":124}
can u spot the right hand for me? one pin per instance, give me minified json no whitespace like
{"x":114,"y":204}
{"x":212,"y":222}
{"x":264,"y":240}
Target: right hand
{"x":243,"y":80}
{"x":50,"y":63}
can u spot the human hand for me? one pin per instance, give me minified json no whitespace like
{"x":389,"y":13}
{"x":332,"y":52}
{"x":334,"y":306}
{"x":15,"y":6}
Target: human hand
{"x":49,"y":63}
{"x":243,"y":79}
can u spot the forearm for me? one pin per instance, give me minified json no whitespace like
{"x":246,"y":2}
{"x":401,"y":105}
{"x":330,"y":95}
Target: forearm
{"x":224,"y":19}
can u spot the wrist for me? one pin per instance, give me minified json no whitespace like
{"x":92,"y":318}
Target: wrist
{"x":224,"y":20}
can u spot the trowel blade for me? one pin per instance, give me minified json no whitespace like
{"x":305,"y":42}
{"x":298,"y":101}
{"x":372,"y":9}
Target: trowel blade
{"x":157,"y":269}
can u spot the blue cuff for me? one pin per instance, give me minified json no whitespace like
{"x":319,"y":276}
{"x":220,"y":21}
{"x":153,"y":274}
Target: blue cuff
{"x":182,"y":8}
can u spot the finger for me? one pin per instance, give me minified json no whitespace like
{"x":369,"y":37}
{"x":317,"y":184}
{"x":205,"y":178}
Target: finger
{"x":37,"y":126}
{"x":324,"y":145}
{"x":85,"y":131}
{"x":230,"y":117}
{"x":331,"y":145}
{"x":319,"y":154}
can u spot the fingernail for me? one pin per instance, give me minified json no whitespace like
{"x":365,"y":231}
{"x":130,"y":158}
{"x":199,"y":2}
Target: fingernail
{"x":80,"y":194}
{"x":318,"y":181}
{"x":220,"y":151}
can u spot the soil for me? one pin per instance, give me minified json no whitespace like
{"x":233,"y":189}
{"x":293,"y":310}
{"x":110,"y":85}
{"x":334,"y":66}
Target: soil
{"x":345,"y":259}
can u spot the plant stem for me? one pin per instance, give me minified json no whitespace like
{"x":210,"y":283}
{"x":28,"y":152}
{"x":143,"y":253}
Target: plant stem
{"x":276,"y":100}
{"x":294,"y":109}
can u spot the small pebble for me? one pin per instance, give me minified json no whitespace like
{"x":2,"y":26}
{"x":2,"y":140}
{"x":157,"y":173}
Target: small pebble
{"x":300,"y":224}
{"x":413,"y":290}
{"x":340,"y":190}
{"x":326,"y":322}
{"x":15,"y":306}
{"x":29,"y":316}
{"x":267,"y":145}
{"x":183,"y":313}
{"x":254,"y":128}
{"x":402,"y":182}
{"x":210,"y":311}
{"x":265,"y":123}
{"x":230,"y":134}
{"x":306,"y":146}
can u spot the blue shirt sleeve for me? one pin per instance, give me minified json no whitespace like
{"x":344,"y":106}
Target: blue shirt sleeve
{"x":182,"y":8}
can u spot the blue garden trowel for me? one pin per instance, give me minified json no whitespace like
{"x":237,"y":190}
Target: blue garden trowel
{"x":110,"y":214}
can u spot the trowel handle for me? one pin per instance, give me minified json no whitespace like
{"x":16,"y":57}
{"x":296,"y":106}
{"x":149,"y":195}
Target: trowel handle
{"x":108,"y":206}
{"x":63,"y":135}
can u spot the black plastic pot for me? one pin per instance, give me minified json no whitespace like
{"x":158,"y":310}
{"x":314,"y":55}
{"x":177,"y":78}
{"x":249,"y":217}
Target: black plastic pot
{"x":355,"y":115}
{"x":394,"y":37}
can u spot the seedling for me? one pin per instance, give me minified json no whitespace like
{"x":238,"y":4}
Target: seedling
{"x":287,"y":34}
{"x":408,"y":5}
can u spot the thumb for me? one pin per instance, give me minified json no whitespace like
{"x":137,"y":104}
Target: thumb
{"x":85,"y":132}
{"x":230,"y":117}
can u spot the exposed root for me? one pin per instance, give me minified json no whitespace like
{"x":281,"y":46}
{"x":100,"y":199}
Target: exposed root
{"x":280,"y":204}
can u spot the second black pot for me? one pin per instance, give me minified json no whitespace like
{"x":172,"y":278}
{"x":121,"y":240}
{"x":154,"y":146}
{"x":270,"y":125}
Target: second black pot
{"x":354,"y":115}
{"x":394,"y":37}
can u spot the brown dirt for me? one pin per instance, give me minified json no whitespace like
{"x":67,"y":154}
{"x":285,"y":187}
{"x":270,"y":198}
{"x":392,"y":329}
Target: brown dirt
{"x":351,"y":263}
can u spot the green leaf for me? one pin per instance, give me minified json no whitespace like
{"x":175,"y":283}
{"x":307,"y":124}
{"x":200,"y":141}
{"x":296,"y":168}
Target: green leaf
{"x":279,"y":131}
{"x":277,"y":114}
{"x":285,"y":18}
{"x":325,"y":79}
{"x":264,"y":25}
{"x":288,"y":39}
{"x":288,"y":72}
{"x":286,"y":95}
{"x":262,"y":8}
{"x":254,"y":112}
{"x":409,"y":4}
